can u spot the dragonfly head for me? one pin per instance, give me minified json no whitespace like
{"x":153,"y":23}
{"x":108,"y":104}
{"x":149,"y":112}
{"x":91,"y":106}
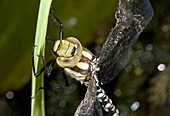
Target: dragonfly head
{"x":68,"y":52}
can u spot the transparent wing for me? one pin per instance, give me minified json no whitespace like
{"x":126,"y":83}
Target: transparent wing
{"x":132,"y":17}
{"x":89,"y":106}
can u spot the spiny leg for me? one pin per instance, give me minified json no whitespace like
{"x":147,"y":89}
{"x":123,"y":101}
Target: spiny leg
{"x":57,"y":22}
{"x":45,"y":88}
{"x":53,"y":87}
{"x":46,"y":66}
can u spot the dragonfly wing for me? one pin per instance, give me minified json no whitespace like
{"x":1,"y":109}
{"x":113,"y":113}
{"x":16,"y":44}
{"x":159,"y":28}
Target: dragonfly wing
{"x":132,"y":17}
{"x":89,"y":106}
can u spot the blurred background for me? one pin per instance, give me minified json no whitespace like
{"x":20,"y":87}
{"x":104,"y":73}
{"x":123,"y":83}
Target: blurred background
{"x":141,"y":89}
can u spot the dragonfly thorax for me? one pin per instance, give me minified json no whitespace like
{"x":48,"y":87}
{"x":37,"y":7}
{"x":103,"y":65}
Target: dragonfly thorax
{"x":84,"y":68}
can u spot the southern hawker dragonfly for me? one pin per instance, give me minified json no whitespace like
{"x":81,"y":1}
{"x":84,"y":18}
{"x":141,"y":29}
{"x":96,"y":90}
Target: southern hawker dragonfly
{"x":79,"y":63}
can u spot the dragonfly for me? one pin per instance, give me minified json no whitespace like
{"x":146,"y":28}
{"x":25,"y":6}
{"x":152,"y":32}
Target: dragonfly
{"x":132,"y":17}
{"x":80,"y":64}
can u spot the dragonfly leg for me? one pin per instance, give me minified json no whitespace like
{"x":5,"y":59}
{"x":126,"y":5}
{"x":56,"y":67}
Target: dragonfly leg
{"x":57,"y":22}
{"x":47,"y":66}
{"x":44,"y":88}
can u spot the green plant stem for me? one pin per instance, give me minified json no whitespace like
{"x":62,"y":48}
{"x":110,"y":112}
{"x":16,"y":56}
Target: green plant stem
{"x":38,"y":104}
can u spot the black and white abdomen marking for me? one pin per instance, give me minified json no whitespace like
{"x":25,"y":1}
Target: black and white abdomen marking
{"x":82,"y":71}
{"x":105,"y":101}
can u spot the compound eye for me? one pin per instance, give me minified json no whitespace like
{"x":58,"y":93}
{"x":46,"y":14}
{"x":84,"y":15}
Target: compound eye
{"x":73,"y":51}
{"x":56,"y":46}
